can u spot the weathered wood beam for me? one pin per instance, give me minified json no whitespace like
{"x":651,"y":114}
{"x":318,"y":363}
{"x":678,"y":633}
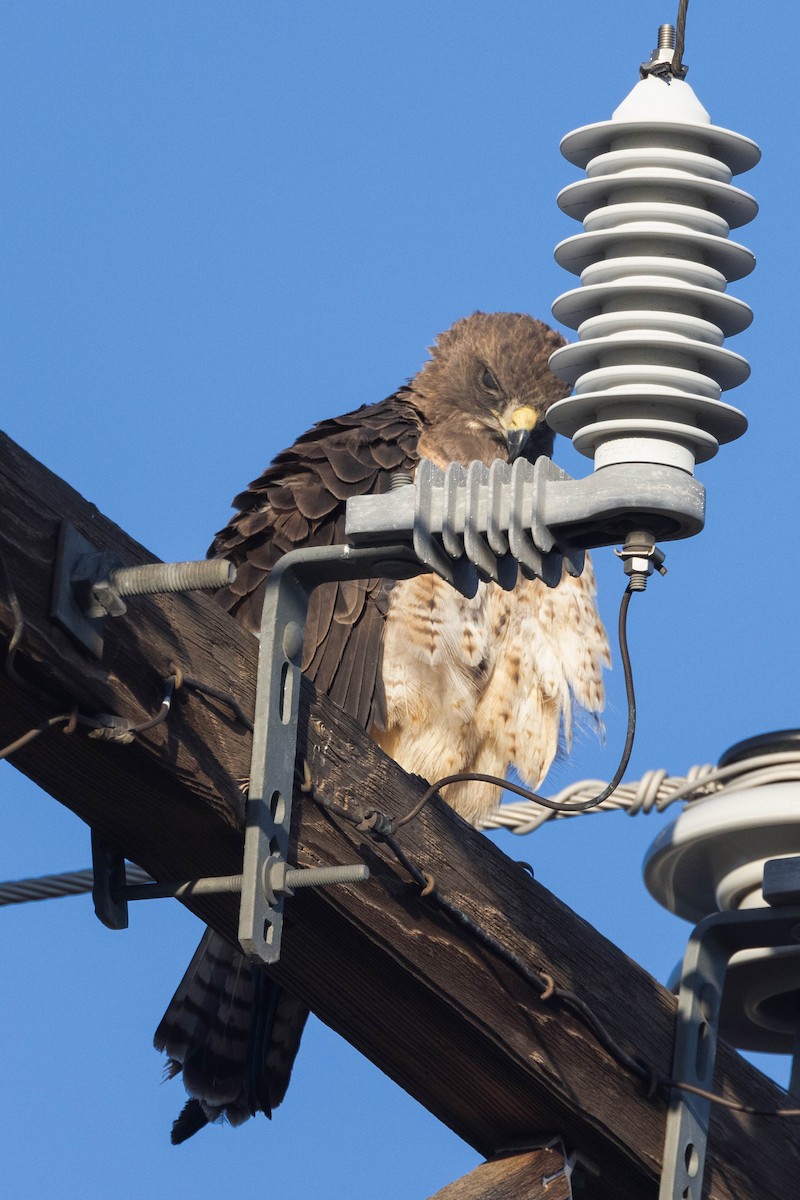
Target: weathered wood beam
{"x":447,"y":1019}
{"x":532,"y":1174}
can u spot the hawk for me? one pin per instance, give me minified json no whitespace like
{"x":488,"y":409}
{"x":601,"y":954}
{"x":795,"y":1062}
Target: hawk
{"x":444,"y":684}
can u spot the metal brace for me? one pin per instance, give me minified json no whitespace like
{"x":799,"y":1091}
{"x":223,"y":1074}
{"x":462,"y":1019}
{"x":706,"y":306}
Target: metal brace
{"x":269,"y":801}
{"x":271,"y":786}
{"x":575,"y":1163}
{"x":465,"y":524}
{"x":111,"y":890}
{"x":711,"y":946}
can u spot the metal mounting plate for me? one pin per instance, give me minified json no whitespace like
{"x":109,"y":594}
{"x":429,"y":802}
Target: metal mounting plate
{"x":73,"y":548}
{"x":108,"y":868}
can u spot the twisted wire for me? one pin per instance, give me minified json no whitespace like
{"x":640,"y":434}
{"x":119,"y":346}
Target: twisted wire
{"x":53,"y":887}
{"x":654,"y":792}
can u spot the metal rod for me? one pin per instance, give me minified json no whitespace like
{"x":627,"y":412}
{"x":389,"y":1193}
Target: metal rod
{"x":293,"y":878}
{"x":323,"y":876}
{"x":177,"y":891}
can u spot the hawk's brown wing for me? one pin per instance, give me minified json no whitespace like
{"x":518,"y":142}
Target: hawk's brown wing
{"x":300,"y":501}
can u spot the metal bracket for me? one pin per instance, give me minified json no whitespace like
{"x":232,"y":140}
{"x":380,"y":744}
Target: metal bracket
{"x":711,"y":946}
{"x":108,"y":869}
{"x":66,"y":608}
{"x":576,"y":1166}
{"x":465,"y":524}
{"x":269,"y":801}
{"x":111,"y":890}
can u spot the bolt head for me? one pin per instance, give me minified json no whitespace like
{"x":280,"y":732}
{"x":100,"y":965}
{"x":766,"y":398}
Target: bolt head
{"x":293,"y":641}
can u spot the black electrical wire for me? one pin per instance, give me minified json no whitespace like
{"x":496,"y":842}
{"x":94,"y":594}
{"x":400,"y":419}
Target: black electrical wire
{"x":206,"y":689}
{"x":51,"y":723}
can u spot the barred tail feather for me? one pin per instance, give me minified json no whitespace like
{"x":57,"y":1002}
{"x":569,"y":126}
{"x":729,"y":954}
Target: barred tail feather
{"x":234,"y":1034}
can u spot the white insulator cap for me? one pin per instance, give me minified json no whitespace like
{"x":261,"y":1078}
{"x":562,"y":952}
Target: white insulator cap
{"x":711,"y":859}
{"x":657,"y":207}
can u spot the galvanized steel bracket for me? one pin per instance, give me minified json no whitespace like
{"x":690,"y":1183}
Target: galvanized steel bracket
{"x":711,"y":946}
{"x":266,"y":877}
{"x":269,"y":800}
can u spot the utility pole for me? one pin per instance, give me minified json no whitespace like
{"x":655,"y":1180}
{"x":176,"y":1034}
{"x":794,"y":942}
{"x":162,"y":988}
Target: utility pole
{"x":432,"y":1004}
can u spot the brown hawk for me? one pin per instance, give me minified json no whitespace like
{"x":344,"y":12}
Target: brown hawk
{"x":444,"y":684}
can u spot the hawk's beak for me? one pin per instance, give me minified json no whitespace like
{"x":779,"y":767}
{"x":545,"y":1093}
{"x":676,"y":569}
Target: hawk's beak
{"x":519,"y":429}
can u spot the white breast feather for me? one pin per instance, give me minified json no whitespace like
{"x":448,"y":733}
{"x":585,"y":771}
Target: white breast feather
{"x":489,"y":683}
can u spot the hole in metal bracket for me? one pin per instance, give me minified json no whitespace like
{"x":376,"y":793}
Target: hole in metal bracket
{"x":701,"y":1054}
{"x":287,"y":690}
{"x":277,"y":807}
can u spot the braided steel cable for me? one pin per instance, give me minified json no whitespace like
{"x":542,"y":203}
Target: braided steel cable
{"x":53,"y":887}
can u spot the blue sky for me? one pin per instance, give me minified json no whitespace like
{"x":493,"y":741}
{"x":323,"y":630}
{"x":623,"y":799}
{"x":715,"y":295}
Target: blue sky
{"x":222,"y":222}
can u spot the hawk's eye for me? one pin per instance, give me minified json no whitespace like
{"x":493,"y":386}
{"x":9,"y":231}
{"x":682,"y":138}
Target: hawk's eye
{"x":489,"y":381}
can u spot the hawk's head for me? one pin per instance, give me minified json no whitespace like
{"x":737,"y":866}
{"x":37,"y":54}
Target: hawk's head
{"x":486,"y":389}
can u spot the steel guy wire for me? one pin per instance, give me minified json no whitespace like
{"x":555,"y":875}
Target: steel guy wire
{"x":66,"y":883}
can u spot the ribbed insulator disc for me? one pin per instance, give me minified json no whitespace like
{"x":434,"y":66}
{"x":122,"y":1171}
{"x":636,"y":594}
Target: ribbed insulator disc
{"x":630,"y":346}
{"x":654,"y":260}
{"x":732,"y":205}
{"x":692,"y":129}
{"x":727,"y":313}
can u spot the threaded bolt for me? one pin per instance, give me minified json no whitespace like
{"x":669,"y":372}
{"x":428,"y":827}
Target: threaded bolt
{"x":154,"y":578}
{"x":638,"y":581}
{"x":322,"y":876}
{"x":278,"y":879}
{"x":400,"y":479}
{"x":666,"y":37}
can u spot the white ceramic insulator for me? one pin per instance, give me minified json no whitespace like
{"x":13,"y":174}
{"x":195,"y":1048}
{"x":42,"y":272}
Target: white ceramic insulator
{"x":654,"y":260}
